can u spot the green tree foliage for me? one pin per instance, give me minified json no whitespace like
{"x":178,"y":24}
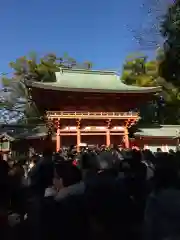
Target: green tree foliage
{"x":169,"y":64}
{"x":34,"y":68}
{"x":5,"y":81}
{"x":170,"y":29}
{"x":138,"y":71}
{"x":43,"y":69}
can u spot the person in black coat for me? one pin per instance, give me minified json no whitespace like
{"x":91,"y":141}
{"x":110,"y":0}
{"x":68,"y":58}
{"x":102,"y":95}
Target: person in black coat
{"x":5,"y":197}
{"x":94,"y":208}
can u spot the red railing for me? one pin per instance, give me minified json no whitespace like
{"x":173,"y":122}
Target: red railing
{"x":83,"y":114}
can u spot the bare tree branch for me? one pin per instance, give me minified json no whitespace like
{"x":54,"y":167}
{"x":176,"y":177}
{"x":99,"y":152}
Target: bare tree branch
{"x":147,"y":35}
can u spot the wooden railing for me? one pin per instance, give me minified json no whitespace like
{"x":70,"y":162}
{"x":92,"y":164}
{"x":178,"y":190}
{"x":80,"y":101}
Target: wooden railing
{"x":91,"y":115}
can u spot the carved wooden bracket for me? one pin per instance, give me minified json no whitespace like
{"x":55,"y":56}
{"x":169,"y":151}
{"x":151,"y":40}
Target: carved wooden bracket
{"x":133,"y":122}
{"x":57,"y":123}
{"x":130,"y":122}
{"x":108,"y":123}
{"x":50,"y":125}
{"x":127,"y":123}
{"x":78,"y":122}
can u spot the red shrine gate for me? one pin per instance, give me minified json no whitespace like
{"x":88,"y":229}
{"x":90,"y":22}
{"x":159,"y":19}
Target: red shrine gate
{"x":89,"y":106}
{"x":92,"y":127}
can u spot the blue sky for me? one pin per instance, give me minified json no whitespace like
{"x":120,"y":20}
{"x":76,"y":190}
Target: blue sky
{"x":96,"y":30}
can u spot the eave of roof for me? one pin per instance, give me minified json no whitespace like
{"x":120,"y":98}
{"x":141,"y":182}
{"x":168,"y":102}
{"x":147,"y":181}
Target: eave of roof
{"x":91,"y":81}
{"x":165,"y":131}
{"x":39,"y":131}
{"x":36,"y":136}
{"x":7,"y":136}
{"x":10,"y":132}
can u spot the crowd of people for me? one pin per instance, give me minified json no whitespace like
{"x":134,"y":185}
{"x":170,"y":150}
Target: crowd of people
{"x":94,"y":194}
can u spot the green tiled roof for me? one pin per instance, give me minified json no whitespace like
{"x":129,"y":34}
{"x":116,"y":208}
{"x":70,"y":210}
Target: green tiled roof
{"x":20,"y":132}
{"x":91,"y":81}
{"x":37,"y":132}
{"x":164,"y":131}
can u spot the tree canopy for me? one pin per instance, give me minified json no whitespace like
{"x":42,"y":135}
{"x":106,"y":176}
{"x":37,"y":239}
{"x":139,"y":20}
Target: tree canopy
{"x":170,"y":30}
{"x":43,"y":69}
{"x":139,"y":71}
{"x":33,"y":67}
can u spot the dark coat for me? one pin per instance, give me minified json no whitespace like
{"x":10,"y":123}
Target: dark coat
{"x":63,"y":217}
{"x":41,"y":176}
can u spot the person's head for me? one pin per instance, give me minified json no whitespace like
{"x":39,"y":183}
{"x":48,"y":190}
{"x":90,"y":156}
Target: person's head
{"x":158,"y":150}
{"x":109,"y":163}
{"x":135,"y":158}
{"x":104,"y":163}
{"x":66,"y":174}
{"x":4,"y":168}
{"x":171,"y":151}
{"x":89,"y":163}
{"x":34,"y":159}
{"x":10,"y":163}
{"x":148,"y":156}
{"x":166,"y":171}
{"x":47,"y":153}
{"x":17,"y":172}
{"x":58,"y":158}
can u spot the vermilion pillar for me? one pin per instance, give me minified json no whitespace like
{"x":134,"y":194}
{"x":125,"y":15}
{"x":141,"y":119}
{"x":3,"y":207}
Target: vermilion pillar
{"x":108,"y":138}
{"x":58,"y":137}
{"x":126,"y":137}
{"x":78,"y":135}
